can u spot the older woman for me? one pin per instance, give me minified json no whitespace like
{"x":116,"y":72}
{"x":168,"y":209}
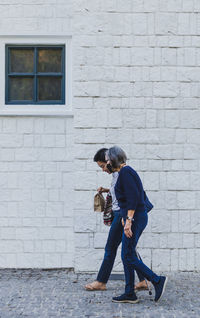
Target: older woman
{"x":130,"y":195}
{"x":115,"y":233}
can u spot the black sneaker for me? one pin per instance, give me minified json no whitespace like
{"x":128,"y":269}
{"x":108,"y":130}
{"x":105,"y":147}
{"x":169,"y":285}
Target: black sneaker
{"x":125,"y":298}
{"x":160,"y":287}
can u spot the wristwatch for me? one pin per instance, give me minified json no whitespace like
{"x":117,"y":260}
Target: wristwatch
{"x":129,"y":218}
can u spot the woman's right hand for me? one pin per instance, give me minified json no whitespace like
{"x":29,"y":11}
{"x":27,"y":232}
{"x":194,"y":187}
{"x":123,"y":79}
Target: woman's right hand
{"x":127,"y":229}
{"x":101,"y":190}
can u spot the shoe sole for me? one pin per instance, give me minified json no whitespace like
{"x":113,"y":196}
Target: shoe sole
{"x":165,"y":283}
{"x":95,"y":289}
{"x":126,"y":301}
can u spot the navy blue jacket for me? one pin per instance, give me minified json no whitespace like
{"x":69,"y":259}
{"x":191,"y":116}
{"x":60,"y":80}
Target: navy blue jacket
{"x":129,"y":190}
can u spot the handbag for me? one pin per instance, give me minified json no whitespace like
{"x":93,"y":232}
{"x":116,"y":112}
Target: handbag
{"x":108,"y":214}
{"x":148,"y":204}
{"x":99,"y":202}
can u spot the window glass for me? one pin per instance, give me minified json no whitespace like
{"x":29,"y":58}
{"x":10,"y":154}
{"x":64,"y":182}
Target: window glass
{"x":35,"y":75}
{"x":49,"y":60}
{"x":21,"y":60}
{"x":21,"y":88}
{"x":49,"y":88}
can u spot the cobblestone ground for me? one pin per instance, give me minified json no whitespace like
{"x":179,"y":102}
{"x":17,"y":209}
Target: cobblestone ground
{"x":59,"y":293}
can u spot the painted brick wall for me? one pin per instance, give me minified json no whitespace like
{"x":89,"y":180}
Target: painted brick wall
{"x":36,"y":216}
{"x":136,"y":84}
{"x":36,"y":162}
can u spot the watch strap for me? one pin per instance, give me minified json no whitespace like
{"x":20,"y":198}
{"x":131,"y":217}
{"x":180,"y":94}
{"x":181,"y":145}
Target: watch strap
{"x":129,"y":218}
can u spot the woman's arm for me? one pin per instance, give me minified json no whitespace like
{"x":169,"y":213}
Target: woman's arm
{"x":127,"y":228}
{"x":130,"y":188}
{"x":131,"y":194}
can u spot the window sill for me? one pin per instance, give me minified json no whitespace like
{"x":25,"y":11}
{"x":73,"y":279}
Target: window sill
{"x":52,"y":111}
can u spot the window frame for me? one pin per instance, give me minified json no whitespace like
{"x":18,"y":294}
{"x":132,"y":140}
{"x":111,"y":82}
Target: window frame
{"x":35,"y":75}
{"x":50,"y":110}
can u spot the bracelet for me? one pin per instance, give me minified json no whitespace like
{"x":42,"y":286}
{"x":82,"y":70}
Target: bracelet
{"x":129,"y":218}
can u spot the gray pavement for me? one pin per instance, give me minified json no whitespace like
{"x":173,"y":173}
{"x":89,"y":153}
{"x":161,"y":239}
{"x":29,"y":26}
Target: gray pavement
{"x":60,"y":293}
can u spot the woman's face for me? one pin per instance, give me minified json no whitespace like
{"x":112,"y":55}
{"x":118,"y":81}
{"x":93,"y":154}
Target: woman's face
{"x":103,"y":166}
{"x":111,"y":169}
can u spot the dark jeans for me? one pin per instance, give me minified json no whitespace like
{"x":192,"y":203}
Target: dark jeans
{"x":113,"y":241}
{"x":129,"y":255}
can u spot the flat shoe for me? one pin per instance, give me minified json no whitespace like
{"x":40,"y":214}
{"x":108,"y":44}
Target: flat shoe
{"x":141,"y":288}
{"x":89,"y":287}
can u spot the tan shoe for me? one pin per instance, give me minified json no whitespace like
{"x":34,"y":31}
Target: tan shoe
{"x":144,"y":285}
{"x":95,"y":286}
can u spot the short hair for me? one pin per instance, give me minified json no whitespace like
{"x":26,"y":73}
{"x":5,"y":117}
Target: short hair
{"x":100,"y":155}
{"x":116,"y":156}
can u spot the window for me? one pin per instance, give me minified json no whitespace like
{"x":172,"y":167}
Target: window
{"x":35,"y":74}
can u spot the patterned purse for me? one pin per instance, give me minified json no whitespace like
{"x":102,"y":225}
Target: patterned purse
{"x":108,"y":212}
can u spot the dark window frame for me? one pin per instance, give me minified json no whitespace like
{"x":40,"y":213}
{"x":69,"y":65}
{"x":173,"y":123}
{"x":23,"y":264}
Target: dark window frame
{"x":34,"y":75}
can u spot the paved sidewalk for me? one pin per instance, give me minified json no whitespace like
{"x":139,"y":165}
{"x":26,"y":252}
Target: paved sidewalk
{"x":59,"y":293}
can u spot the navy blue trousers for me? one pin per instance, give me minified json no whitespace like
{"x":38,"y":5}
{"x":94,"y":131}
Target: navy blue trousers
{"x":129,"y":256}
{"x":113,"y":241}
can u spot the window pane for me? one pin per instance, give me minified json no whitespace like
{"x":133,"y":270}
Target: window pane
{"x":49,"y":60}
{"x":21,"y":60}
{"x":20,"y":88}
{"x":49,"y":88}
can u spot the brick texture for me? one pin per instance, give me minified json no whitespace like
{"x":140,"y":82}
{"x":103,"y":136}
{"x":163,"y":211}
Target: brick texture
{"x":137,"y":86}
{"x":136,"y":83}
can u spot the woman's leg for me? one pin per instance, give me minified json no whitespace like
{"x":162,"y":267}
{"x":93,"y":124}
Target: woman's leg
{"x":130,"y":258}
{"x":140,"y":276}
{"x":113,"y":241}
{"x":143,"y":283}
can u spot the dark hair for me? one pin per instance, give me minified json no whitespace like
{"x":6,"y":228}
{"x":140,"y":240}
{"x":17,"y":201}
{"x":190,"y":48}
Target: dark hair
{"x":100,"y":155}
{"x":116,"y":156}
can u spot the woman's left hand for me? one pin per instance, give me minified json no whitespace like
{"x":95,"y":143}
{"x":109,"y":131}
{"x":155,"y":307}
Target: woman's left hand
{"x":127,"y":229}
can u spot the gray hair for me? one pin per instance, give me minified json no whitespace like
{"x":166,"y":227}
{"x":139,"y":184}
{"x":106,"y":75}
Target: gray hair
{"x":117,"y":156}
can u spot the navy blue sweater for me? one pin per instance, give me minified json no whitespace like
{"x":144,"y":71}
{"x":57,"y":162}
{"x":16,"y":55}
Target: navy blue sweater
{"x":129,"y":190}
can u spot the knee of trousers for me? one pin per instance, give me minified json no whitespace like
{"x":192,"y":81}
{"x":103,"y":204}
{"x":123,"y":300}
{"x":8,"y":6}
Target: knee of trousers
{"x":109,"y":253}
{"x":129,"y":259}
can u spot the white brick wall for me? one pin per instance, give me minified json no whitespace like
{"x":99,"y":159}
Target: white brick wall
{"x":36,"y":211}
{"x":135,"y":84}
{"x":138,"y":64}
